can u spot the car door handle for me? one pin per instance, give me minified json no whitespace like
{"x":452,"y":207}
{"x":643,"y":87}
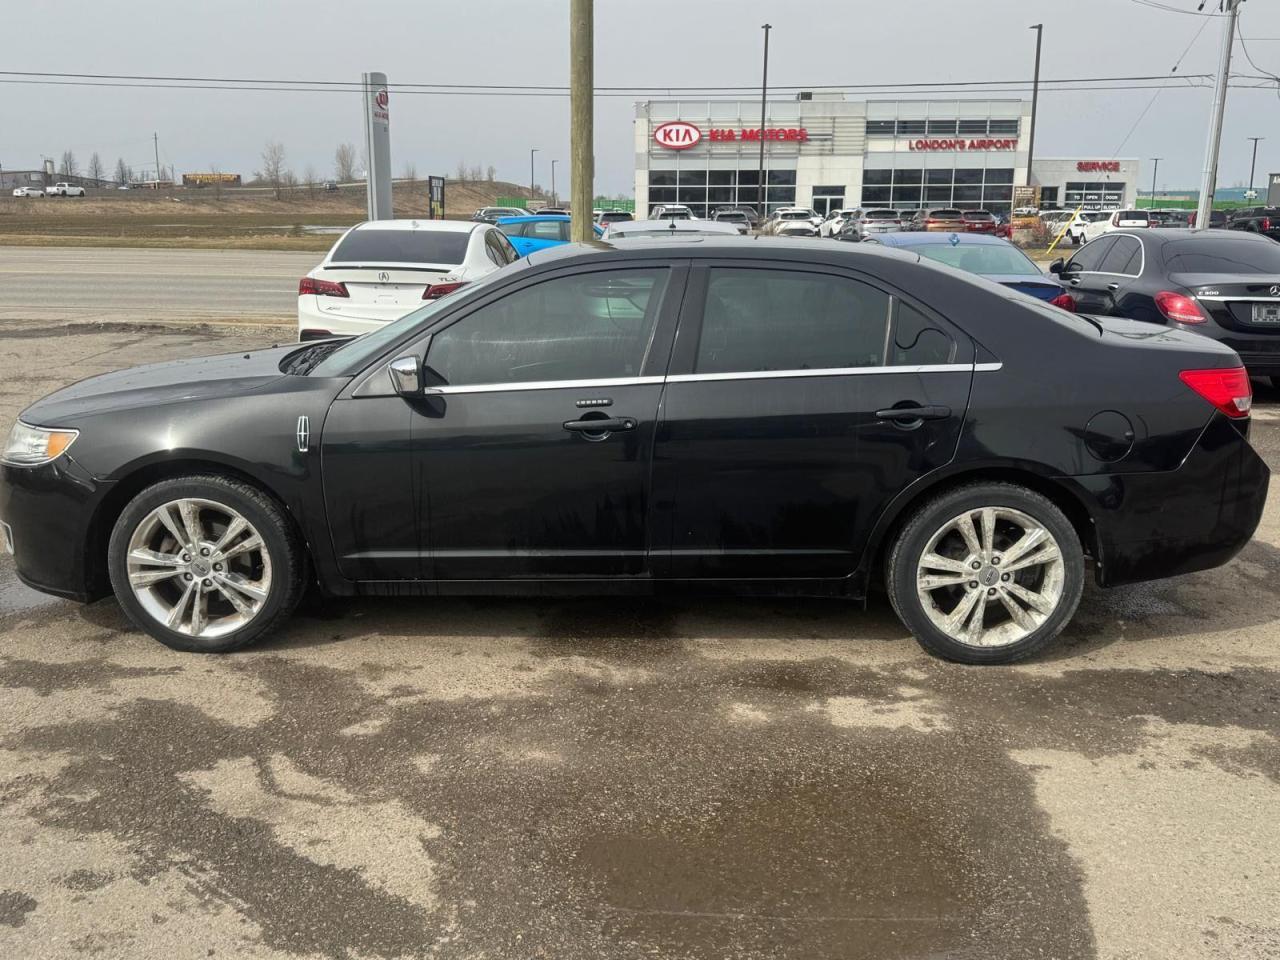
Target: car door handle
{"x":908,"y":414}
{"x":1113,"y":287}
{"x":1074,"y":281}
{"x":600,"y":425}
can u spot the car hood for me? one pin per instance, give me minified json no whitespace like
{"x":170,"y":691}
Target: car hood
{"x":175,"y":381}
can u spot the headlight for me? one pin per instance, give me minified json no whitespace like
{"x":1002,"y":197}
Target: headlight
{"x":28,"y":446}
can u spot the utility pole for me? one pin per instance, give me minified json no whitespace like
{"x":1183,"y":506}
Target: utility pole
{"x":764,"y":95}
{"x":582,"y":92}
{"x":1156,"y":161}
{"x":155,"y":140}
{"x":553,"y":183}
{"x":1035,"y":99}
{"x":1254,"y":162}
{"x":1209,"y":183}
{"x":532,"y":151}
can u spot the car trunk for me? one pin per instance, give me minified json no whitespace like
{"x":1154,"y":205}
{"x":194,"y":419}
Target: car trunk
{"x":380,"y":292}
{"x":1045,"y":289}
{"x":1257,"y":309}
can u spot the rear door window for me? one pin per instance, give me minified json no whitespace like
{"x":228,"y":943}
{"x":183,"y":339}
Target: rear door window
{"x":758,"y":320}
{"x":1124,"y":257}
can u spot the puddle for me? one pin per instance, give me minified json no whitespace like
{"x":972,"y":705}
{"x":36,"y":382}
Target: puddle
{"x":17,"y":597}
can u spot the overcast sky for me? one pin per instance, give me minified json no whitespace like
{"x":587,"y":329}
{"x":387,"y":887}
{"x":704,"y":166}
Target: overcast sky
{"x":676,"y":42}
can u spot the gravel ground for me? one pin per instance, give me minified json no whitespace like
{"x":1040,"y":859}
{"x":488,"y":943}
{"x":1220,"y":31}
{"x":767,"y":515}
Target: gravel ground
{"x":693,"y":779}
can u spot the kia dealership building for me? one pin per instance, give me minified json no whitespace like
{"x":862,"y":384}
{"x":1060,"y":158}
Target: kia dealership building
{"x":826,"y":152}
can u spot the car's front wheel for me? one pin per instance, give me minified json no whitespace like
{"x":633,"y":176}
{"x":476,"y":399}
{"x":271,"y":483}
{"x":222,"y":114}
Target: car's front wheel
{"x":205,"y":563}
{"x":987,"y":573}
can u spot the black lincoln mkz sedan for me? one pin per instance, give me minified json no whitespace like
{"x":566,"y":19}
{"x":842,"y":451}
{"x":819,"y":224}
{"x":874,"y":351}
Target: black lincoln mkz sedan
{"x":740,"y":415}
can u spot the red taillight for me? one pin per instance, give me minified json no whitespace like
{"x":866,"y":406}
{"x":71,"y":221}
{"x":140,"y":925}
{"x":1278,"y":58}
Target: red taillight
{"x":1266,"y":224}
{"x":1227,"y":388}
{"x":1064,"y":301}
{"x":437,"y":290}
{"x":321,"y":288}
{"x":1179,"y":307}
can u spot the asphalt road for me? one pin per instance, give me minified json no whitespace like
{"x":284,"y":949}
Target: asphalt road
{"x":619,"y":779}
{"x":114,"y":284}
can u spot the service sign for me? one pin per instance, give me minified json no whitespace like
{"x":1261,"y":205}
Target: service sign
{"x":1098,"y":166}
{"x":677,"y":135}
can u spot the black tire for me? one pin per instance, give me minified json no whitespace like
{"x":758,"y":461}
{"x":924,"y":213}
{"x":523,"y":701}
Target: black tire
{"x":282,"y":543}
{"x":907,"y":549}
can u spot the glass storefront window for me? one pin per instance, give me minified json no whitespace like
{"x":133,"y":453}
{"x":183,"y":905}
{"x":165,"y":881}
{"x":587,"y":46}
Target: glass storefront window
{"x":878,"y":195}
{"x":973,"y":128}
{"x":877,"y":178}
{"x":967,"y":194}
{"x":720,"y":195}
{"x":692,"y":178}
{"x":969,"y":175}
{"x":1003,"y":128}
{"x":1000,"y":175}
{"x":781,"y":178}
{"x":910,"y":175}
{"x":905,"y":195}
{"x":880,"y":128}
{"x":662,"y":178}
{"x":937,"y":195}
{"x":941,"y":128}
{"x":662,"y":194}
{"x":1004,"y":194}
{"x":911,"y":128}
{"x":938,"y":176}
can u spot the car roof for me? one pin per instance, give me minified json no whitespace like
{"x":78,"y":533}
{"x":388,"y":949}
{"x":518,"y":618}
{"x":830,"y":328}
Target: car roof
{"x":680,"y":226}
{"x":912,"y":239}
{"x":729,"y":245}
{"x":536,"y":218}
{"x":452,"y":226}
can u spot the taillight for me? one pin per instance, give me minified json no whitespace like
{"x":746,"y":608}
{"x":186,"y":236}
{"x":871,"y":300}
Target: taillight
{"x":1179,"y":307}
{"x":1064,"y":301}
{"x":437,"y":290}
{"x":1227,"y":388}
{"x":1266,"y":224}
{"x":321,"y":288}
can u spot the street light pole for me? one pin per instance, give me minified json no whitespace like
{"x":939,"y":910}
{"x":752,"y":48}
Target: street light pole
{"x":764,"y":93}
{"x":1210,"y":180}
{"x":532,"y":151}
{"x":1254,"y":162}
{"x":1035,"y":99}
{"x":1156,"y":161}
{"x":553,"y":183}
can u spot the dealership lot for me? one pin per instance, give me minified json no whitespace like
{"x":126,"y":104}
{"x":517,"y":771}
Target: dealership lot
{"x":632,"y":778}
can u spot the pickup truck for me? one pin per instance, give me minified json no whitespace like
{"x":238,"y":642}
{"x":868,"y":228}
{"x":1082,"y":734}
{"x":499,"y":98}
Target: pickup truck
{"x":1264,"y":220}
{"x":64,"y":190}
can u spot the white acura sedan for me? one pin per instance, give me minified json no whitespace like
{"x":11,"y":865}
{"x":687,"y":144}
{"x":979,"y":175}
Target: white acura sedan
{"x":380,"y":270}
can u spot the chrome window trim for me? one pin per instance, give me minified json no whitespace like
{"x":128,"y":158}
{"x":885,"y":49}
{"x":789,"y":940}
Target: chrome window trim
{"x":1237,"y":299}
{"x":698,"y":377}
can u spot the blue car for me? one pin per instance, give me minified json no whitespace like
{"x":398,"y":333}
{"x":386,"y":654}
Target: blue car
{"x":535,"y":232}
{"x":990,"y":257}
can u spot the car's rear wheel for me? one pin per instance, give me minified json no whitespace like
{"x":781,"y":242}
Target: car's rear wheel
{"x":205,"y":563}
{"x":987,"y":573}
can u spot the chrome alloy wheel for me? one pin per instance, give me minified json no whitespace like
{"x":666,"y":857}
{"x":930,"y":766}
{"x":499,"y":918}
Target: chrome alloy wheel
{"x":199,"y":568}
{"x":990,"y":577}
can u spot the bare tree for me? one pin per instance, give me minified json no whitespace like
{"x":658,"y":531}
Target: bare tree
{"x":273,"y":169}
{"x":461,"y":172}
{"x":289,"y":183}
{"x":491,"y":174}
{"x":68,"y":167}
{"x":217,"y":183}
{"x":96,"y":170}
{"x":344,"y":163}
{"x":309,"y":177}
{"x":476,"y":173}
{"x":122,"y":171}
{"x":410,"y":171}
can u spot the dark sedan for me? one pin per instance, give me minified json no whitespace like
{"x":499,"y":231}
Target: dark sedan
{"x":720,"y":415}
{"x":1219,"y":283}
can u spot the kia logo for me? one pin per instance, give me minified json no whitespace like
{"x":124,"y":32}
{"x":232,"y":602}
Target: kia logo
{"x":382,"y":99}
{"x":677,"y":135}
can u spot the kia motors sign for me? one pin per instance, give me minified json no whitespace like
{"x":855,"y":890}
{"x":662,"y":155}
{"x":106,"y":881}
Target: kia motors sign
{"x":377,"y":132}
{"x":677,"y":135}
{"x":1098,"y":166}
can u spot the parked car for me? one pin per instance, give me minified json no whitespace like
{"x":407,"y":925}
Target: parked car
{"x":736,"y":218}
{"x":1118,"y":220}
{"x":1173,"y":219}
{"x":790,"y":222}
{"x":945,"y":219}
{"x":979,"y":221}
{"x":63,"y":189}
{"x":991,"y":257}
{"x":836,"y":220}
{"x":1217,"y":219}
{"x":28,"y":192}
{"x":1263,"y":220}
{"x":651,"y":229}
{"x":851,"y":232}
{"x":538,"y":231}
{"x":551,"y":211}
{"x":380,"y":270}
{"x":1075,"y":232}
{"x":331,"y":186}
{"x":607,"y":217}
{"x":563,"y":445}
{"x":671,"y":211}
{"x":1221,"y":284}
{"x":874,"y":222}
{"x":494,"y":214}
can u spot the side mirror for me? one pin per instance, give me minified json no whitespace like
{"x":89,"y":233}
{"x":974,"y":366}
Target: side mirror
{"x":406,"y":376}
{"x":1056,"y":266}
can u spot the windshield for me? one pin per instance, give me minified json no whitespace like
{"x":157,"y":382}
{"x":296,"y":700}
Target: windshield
{"x":349,"y":358}
{"x":1224,"y":255}
{"x":371,"y":245}
{"x":986,"y":259}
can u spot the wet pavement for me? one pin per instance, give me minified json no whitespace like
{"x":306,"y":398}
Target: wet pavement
{"x":691,"y":779}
